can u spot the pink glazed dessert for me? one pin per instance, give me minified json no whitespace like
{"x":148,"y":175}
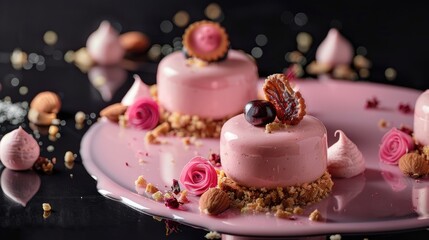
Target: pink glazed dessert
{"x":275,"y":163}
{"x":216,"y":91}
{"x":286,"y":157}
{"x":207,"y":82}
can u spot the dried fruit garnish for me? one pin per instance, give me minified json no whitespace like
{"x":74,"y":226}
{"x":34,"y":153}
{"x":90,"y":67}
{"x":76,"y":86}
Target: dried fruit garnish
{"x":175,"y":188}
{"x":171,"y":202}
{"x":372,"y":103}
{"x":215,"y":160}
{"x":290,"y":105}
{"x":405,"y":108}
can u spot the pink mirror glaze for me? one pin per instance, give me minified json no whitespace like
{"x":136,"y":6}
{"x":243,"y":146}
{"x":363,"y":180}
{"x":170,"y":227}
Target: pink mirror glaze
{"x":254,"y":158}
{"x":334,"y":49}
{"x":138,"y":90}
{"x":215,"y":91}
{"x":104,"y":46}
{"x":18,"y":150}
{"x":345,"y":160}
{"x":421,"y":119}
{"x":20,"y":186}
{"x":205,"y":38}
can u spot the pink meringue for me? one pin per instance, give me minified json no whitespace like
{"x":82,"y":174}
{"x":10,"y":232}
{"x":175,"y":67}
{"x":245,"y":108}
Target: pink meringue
{"x":334,"y":49}
{"x":20,"y":186}
{"x":143,"y":114}
{"x":104,"y":46}
{"x":18,"y":150}
{"x":394,"y":144}
{"x":198,"y":175}
{"x":138,"y":90}
{"x":345,"y":160}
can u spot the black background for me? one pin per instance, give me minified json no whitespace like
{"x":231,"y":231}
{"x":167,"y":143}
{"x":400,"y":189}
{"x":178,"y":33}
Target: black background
{"x":394,"y":35}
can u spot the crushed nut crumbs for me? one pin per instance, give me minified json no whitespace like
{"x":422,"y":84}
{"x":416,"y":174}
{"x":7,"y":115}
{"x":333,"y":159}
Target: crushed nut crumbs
{"x":283,"y":202}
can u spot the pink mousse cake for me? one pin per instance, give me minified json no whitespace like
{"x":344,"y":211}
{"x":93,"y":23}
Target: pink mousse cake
{"x":274,"y":156}
{"x":200,"y":88}
{"x":286,"y":157}
{"x":216,"y":91}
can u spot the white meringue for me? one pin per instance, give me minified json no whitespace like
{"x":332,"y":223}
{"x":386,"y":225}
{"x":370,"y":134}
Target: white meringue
{"x":18,"y":150}
{"x":334,"y":50}
{"x":345,"y":160}
{"x":138,"y":90}
{"x":104,"y":46}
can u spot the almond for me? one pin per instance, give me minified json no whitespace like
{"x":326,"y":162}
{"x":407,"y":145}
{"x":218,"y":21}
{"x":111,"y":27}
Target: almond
{"x":113,"y":111}
{"x":414,"y":165}
{"x":214,"y":201}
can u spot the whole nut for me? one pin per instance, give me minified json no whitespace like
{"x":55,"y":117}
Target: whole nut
{"x":46,"y":102}
{"x":414,"y":165}
{"x":214,"y":201}
{"x":113,"y":111}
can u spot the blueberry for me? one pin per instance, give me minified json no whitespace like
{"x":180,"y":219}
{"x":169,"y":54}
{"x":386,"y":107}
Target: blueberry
{"x":259,"y":112}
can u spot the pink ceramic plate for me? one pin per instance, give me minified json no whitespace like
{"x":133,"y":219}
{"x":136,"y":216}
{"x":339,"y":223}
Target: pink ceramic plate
{"x":381,"y":199}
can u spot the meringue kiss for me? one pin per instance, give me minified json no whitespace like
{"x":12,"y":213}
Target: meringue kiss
{"x":345,"y":160}
{"x":18,"y":150}
{"x":104,"y":46}
{"x":334,"y":49}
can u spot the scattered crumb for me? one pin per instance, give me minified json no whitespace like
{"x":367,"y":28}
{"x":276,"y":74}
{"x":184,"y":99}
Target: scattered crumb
{"x":274,"y":126}
{"x":80,"y":117}
{"x":53,"y":130}
{"x":315,"y":216}
{"x":141,"y":182}
{"x":150,"y":188}
{"x":335,"y":237}
{"x":196,"y":62}
{"x":382,"y":123}
{"x":150,"y":138}
{"x":157,"y":196}
{"x":161,"y":129}
{"x":69,"y":156}
{"x":213,"y":235}
{"x":142,"y":161}
{"x":183,"y":196}
{"x":44,"y":165}
{"x":46,"y":207}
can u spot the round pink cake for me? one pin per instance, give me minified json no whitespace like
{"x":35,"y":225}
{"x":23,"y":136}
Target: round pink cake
{"x":285,"y":157}
{"x":215,"y":90}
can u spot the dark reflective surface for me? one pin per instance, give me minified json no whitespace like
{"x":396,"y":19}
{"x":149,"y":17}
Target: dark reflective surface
{"x":79,"y":211}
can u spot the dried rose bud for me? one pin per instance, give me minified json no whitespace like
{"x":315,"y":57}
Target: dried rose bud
{"x":171,"y":202}
{"x":175,"y":188}
{"x":372,"y":103}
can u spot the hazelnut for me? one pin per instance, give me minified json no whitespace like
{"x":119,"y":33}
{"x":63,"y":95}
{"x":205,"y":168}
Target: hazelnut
{"x":414,"y":165}
{"x":214,"y":201}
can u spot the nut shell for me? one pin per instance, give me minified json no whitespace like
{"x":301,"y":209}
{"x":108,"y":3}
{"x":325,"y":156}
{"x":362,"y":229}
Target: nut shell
{"x":214,"y":201}
{"x":46,"y":102}
{"x":414,"y":165}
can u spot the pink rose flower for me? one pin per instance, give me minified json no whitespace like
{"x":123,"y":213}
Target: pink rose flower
{"x":394,"y":144}
{"x":143,"y":113}
{"x":198,"y":175}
